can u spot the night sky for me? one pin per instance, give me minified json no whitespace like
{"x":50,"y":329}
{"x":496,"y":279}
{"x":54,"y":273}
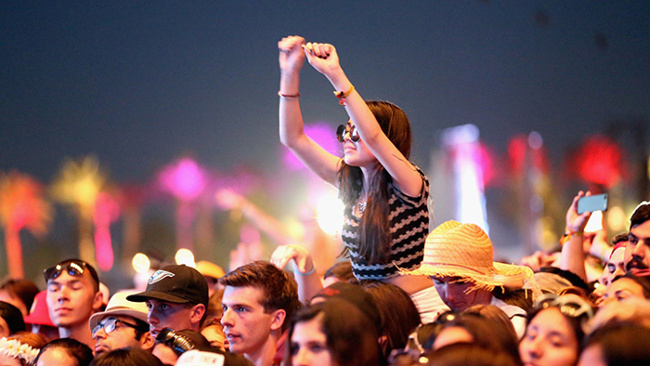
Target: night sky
{"x":139,"y":84}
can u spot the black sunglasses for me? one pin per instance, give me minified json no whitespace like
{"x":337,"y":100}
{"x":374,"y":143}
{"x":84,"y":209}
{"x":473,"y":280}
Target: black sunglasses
{"x":177,"y":342}
{"x":343,"y":129}
{"x":109,"y":325}
{"x":73,"y":268}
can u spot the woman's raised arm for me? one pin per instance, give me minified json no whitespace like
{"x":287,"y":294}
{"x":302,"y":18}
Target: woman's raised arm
{"x":324,"y":58}
{"x":292,"y":133}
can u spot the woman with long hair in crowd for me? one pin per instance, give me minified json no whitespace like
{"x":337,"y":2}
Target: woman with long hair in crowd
{"x":555,"y":331}
{"x":385,"y":196}
{"x":333,"y":332}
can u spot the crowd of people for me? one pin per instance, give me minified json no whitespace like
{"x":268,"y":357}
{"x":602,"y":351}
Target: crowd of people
{"x":401,"y":294}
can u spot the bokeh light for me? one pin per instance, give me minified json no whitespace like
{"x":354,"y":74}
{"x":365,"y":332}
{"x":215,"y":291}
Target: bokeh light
{"x":595,"y":222}
{"x":329,"y":211}
{"x":141,"y":263}
{"x":186,"y":257}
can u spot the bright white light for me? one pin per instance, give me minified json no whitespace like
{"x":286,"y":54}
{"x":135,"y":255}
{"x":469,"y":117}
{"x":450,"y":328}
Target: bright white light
{"x":186,"y":257}
{"x":595,"y":222}
{"x":462,"y":142}
{"x":330,"y":213}
{"x":141,"y":263}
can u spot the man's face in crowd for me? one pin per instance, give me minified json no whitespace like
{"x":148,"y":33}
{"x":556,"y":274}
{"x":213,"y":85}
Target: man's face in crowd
{"x":457,"y":293}
{"x":621,"y":290}
{"x":637,"y":253}
{"x":116,"y":332}
{"x":245,"y":322}
{"x":71,"y":300}
{"x":615,"y":267}
{"x":164,"y":314}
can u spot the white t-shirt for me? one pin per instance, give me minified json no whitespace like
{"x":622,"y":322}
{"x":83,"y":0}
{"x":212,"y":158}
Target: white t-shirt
{"x":516,"y":314}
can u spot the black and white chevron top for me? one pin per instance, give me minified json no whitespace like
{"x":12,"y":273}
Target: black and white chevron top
{"x":409,"y":218}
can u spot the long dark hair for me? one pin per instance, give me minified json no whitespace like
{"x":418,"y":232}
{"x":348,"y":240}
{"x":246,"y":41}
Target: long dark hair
{"x":400,"y":314}
{"x":13,"y":317}
{"x":374,"y":228}
{"x":352,"y":338}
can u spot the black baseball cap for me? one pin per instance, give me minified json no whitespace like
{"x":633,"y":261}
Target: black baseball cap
{"x":177,"y":284}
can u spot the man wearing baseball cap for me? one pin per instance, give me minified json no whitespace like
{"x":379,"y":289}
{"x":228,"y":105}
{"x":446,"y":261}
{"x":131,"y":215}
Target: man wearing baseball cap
{"x":122,"y":325}
{"x":177,"y":298}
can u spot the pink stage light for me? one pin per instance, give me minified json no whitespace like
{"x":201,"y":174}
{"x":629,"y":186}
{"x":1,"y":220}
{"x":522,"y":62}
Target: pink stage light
{"x":324,"y":135}
{"x":106,"y":211}
{"x":186,"y":180}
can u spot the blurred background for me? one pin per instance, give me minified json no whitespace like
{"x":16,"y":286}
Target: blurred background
{"x":147,"y":127}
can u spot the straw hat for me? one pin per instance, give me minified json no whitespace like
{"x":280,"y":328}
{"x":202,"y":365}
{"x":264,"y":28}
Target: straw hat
{"x":464,"y":250}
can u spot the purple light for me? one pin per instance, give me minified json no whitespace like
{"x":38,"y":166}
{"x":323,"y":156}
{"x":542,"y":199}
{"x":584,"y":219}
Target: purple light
{"x":324,"y":135}
{"x":184,"y":179}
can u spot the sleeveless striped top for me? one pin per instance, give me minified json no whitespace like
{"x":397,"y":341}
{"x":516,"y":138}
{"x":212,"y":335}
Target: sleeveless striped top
{"x":409,"y":227}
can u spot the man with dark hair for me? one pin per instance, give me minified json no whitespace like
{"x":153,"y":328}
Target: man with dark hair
{"x":258,"y":302}
{"x":637,"y":252}
{"x":122,"y":325}
{"x":177,"y":298}
{"x":72,"y":297}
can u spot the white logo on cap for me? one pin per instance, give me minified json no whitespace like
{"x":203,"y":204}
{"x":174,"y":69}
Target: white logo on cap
{"x":159,"y":275}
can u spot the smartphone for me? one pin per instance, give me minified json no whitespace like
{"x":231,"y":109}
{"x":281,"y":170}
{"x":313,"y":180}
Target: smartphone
{"x":593,"y":203}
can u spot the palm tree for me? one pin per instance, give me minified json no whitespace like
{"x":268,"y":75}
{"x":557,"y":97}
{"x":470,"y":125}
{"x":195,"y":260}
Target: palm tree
{"x":21,"y":206}
{"x":79,"y":184}
{"x":186,"y":181}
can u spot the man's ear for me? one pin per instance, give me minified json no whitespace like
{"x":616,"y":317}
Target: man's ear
{"x":278,"y":319}
{"x":147,"y":341}
{"x":197,"y":313}
{"x":98,"y":301}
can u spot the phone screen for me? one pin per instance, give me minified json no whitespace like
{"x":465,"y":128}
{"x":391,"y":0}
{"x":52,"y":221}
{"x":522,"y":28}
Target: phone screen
{"x":593,"y":203}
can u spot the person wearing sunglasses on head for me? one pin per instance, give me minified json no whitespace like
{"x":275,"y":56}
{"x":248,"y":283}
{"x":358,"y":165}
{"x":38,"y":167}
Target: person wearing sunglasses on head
{"x":123,"y":324}
{"x":555,"y":331}
{"x":384,"y":194}
{"x":73,"y":295}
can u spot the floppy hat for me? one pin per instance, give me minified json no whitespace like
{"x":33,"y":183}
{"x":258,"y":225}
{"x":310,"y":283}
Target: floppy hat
{"x":39,"y":313}
{"x":177,"y":284}
{"x":465,"y":251}
{"x":119,"y":305}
